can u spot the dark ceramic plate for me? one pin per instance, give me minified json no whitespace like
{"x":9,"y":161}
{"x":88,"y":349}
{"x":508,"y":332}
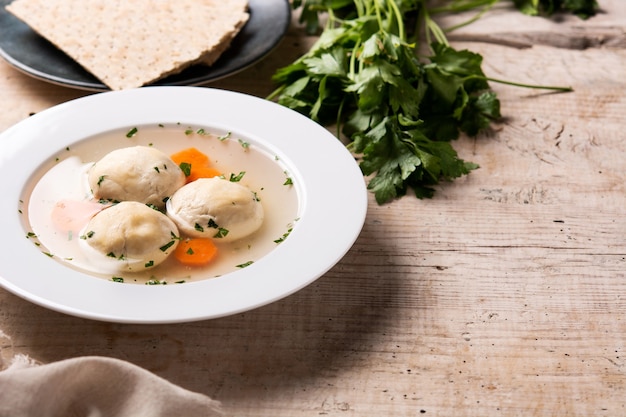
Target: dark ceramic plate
{"x":24,"y":49}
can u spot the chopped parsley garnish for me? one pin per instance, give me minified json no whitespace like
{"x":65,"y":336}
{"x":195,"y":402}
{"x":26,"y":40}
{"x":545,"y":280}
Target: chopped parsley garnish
{"x":190,"y":251}
{"x":149,"y":264}
{"x":284,"y":236}
{"x":244,"y":144}
{"x":288,"y":180}
{"x":132,"y":132}
{"x":238,"y":177}
{"x":100,"y":179}
{"x":186,"y":168}
{"x":224,"y":136}
{"x":167,"y":246}
{"x":221,"y":232}
{"x":198,"y":227}
{"x":88,"y":235}
{"x":212,"y":224}
{"x":243,"y":265}
{"x":117,"y":279}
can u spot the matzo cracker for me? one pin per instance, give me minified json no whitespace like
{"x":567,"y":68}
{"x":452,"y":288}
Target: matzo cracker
{"x":130,"y":43}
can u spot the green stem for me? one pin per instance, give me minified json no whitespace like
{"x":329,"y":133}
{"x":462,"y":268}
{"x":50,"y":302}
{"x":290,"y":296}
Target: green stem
{"x":399,"y":18}
{"x":353,"y":59}
{"x":524,"y":85}
{"x":476,"y":17}
{"x":433,"y":27}
{"x":463,"y":7}
{"x":360,"y":9}
{"x":379,"y":17}
{"x":277,"y":92}
{"x":537,"y":87}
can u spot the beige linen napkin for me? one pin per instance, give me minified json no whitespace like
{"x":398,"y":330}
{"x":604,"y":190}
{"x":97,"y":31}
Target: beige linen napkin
{"x":95,"y":386}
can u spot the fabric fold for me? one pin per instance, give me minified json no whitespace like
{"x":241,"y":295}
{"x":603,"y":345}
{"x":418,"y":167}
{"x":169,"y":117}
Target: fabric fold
{"x":95,"y":386}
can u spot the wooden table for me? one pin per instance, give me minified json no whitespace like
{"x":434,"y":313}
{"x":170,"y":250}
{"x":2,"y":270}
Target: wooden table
{"x":505,"y":294}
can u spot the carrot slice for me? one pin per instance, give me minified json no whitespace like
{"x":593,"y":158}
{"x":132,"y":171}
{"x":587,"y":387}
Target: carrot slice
{"x":199,"y":163}
{"x":202,"y":172}
{"x":190,"y":155}
{"x":195,"y":251}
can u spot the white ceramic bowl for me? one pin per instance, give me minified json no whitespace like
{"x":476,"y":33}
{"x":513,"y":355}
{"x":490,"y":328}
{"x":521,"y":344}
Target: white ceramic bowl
{"x":332,"y":204}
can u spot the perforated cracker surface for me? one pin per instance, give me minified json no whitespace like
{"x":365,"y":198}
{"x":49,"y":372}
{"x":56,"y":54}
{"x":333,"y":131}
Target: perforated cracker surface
{"x":131,"y":43}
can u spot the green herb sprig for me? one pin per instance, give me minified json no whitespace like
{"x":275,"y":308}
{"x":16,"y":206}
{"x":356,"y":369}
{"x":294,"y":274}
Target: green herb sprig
{"x":400,"y":109}
{"x":581,"y":8}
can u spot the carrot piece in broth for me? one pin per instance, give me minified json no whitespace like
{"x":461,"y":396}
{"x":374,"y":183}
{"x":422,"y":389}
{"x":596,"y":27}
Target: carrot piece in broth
{"x":195,"y":251}
{"x":199,"y":163}
{"x":202,"y":172}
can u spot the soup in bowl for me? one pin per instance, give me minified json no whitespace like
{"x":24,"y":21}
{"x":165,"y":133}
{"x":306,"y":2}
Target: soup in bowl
{"x":64,"y":202}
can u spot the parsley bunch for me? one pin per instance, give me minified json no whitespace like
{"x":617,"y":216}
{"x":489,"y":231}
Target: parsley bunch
{"x":398,"y":109}
{"x":582,"y":8}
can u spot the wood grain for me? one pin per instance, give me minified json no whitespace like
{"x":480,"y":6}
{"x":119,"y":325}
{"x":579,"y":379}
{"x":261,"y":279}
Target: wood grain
{"x":502,"y":295}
